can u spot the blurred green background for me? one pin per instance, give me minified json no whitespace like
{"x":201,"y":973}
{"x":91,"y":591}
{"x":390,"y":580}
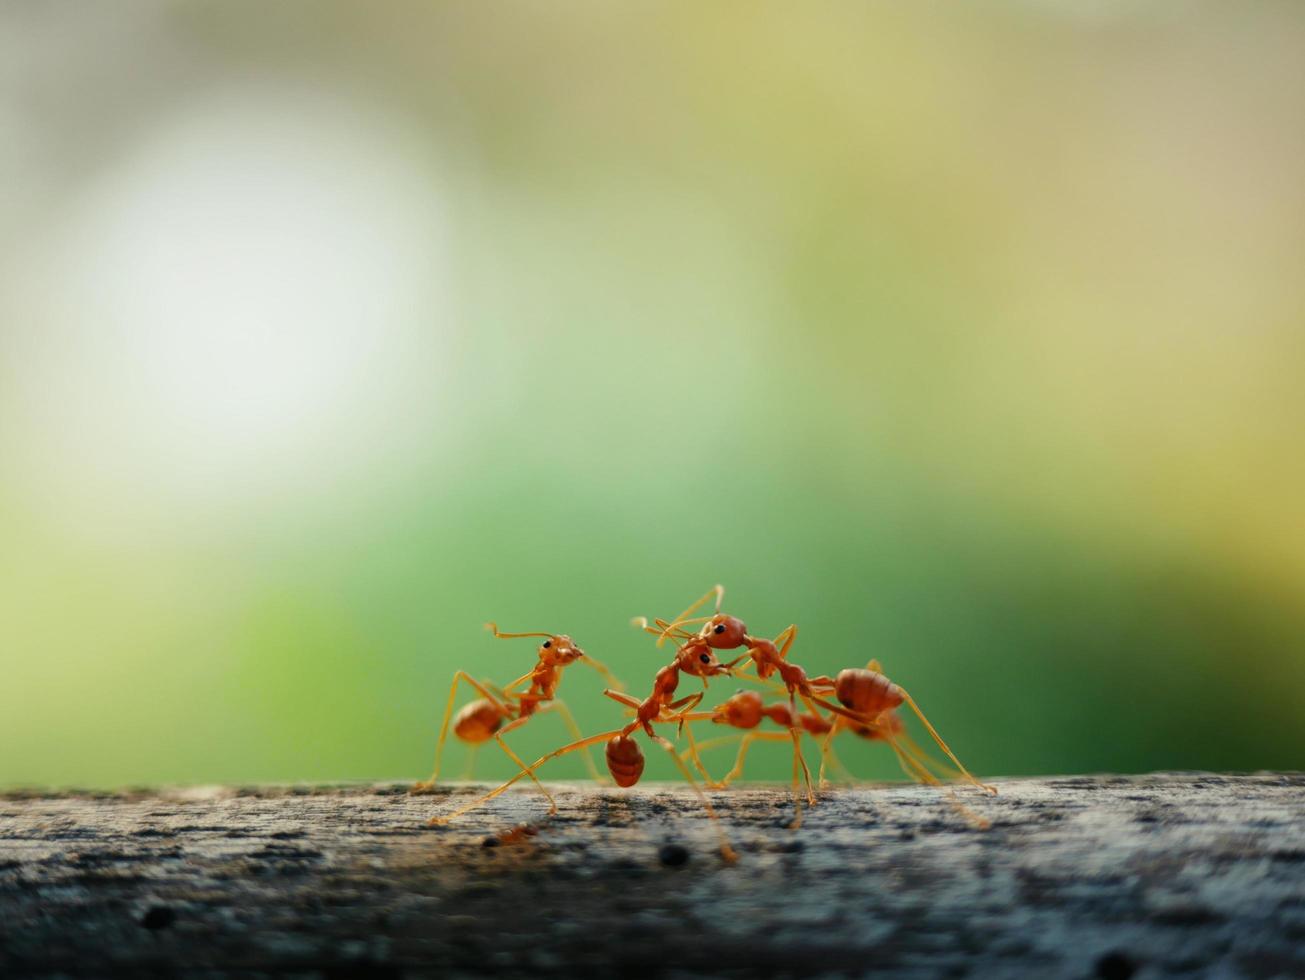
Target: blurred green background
{"x":968,"y":339}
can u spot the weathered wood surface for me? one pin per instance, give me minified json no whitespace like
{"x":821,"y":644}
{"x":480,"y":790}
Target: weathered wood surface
{"x":1085,"y":876}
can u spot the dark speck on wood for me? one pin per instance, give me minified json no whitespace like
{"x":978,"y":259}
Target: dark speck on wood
{"x":1115,"y":966}
{"x":158,"y":917}
{"x":1082,"y":876}
{"x":673,"y":855}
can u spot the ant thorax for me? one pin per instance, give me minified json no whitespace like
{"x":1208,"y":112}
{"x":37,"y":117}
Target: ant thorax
{"x":666,"y":681}
{"x":544,"y":678}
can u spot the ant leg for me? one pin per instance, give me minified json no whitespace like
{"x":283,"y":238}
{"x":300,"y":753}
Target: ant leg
{"x":568,"y":719}
{"x":520,"y":680}
{"x":796,"y":734}
{"x":711,"y":743}
{"x":692,"y":701}
{"x":685,"y":704}
{"x":694,"y":716}
{"x":935,"y":765}
{"x":444,"y":734}
{"x":686,"y":716}
{"x":529,"y":702}
{"x":552,"y":803}
{"x":785,"y":640}
{"x":915,"y":769}
{"x":797,"y":798}
{"x":458,"y":677}
{"x":692,"y":752}
{"x":826,"y":748}
{"x":798,"y":761}
{"x":828,"y":755}
{"x":810,"y":701}
{"x":838,"y":709}
{"x":604,"y":671}
{"x":526,"y":771}
{"x":744,"y":744}
{"x":742,"y":674}
{"x":842,"y":769}
{"x":826,"y":745}
{"x":874,"y":666}
{"x":943,"y":745}
{"x":471,"y":762}
{"x":625,"y":699}
{"x":498,"y":737}
{"x":726,"y":852}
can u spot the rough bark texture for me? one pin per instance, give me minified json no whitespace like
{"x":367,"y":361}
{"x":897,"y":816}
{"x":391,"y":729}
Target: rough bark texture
{"x":1077,"y":877}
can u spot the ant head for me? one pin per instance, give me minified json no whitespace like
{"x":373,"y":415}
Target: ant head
{"x":724,"y":632}
{"x":698,"y":660}
{"x":560,"y":650}
{"x":743,"y":710}
{"x":555,"y":650}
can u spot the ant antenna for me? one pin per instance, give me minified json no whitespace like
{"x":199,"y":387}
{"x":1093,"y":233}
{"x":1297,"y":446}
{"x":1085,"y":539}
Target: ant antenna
{"x":667,"y":628}
{"x":603,"y":670}
{"x":662,"y":628}
{"x":493,"y":628}
{"x":716,"y":590}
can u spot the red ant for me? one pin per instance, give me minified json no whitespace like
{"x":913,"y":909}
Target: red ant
{"x":872,"y":697}
{"x":625,"y":759}
{"x":723,"y":632}
{"x":746,"y":710}
{"x":484,"y":718}
{"x":865,"y":695}
{"x":519,"y":834}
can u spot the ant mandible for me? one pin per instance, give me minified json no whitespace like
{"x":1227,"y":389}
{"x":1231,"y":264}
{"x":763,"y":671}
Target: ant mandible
{"x":625,"y":760}
{"x":484,"y":719}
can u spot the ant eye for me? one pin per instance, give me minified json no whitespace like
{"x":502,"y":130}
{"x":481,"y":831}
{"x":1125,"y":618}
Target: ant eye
{"x":720,"y":627}
{"x":705,"y":658}
{"x":548,"y":643}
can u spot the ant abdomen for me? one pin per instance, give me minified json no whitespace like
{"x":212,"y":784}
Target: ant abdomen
{"x":866,"y":691}
{"x":478,"y":721}
{"x":624,"y":760}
